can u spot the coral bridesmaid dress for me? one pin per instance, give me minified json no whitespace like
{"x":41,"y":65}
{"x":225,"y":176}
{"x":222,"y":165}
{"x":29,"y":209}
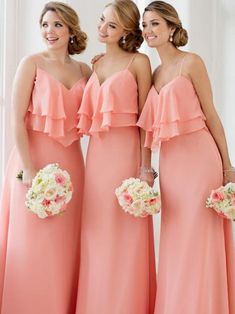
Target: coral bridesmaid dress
{"x":117,"y":273}
{"x":39,"y":258}
{"x":196,"y":259}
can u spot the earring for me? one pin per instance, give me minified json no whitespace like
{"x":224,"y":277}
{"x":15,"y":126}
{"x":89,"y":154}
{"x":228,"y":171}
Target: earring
{"x":71,"y":40}
{"x":171,"y":38}
{"x":123,"y":40}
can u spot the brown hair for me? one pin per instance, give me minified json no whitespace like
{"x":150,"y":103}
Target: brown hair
{"x":129,"y":18}
{"x":70,"y":18}
{"x":170,"y":15}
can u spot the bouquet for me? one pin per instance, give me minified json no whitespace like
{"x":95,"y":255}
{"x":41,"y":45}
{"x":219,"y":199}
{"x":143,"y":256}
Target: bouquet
{"x":51,"y":190}
{"x":222,"y":200}
{"x":137,"y":198}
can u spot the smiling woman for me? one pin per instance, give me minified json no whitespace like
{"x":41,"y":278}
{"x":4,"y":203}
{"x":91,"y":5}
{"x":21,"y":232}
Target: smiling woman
{"x":46,"y":96}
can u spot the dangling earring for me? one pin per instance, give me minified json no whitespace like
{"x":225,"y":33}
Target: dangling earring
{"x":123,"y":40}
{"x":171,"y":38}
{"x":71,"y":40}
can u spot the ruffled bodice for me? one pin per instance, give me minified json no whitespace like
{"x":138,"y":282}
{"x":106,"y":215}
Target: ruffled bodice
{"x":174,"y":111}
{"x":53,"y":108}
{"x":110,"y":104}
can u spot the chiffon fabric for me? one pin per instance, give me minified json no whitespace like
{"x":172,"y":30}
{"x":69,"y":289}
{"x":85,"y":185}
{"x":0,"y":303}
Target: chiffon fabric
{"x":39,"y":258}
{"x":196,"y":273}
{"x":117,"y":273}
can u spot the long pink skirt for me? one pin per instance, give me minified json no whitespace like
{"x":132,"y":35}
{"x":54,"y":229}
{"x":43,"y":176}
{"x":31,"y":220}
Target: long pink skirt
{"x":117,"y":274}
{"x":39,"y":258}
{"x":197,"y":261}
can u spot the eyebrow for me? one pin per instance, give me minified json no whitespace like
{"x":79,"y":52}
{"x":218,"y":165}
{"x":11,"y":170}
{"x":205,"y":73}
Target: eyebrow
{"x":154,"y":20}
{"x":46,"y":21}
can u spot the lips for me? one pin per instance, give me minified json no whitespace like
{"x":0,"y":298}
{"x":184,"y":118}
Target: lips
{"x":102,"y":35}
{"x":52,"y":40}
{"x":150,"y":37}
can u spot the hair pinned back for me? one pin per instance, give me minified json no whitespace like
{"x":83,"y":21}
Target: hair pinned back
{"x":170,"y":15}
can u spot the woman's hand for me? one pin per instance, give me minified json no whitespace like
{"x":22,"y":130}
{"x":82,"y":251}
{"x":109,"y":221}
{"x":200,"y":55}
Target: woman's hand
{"x":147,"y":177}
{"x":96,"y":58}
{"x":229,"y":175}
{"x":27,"y":177}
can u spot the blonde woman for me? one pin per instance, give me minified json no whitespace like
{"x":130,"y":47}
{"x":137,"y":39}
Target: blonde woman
{"x":117,"y":273}
{"x":39,"y":258}
{"x":196,"y":272}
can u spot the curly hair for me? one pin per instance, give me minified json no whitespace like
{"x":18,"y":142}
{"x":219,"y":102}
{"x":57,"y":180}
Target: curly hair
{"x":71,"y":19}
{"x":129,"y":18}
{"x":170,"y":15}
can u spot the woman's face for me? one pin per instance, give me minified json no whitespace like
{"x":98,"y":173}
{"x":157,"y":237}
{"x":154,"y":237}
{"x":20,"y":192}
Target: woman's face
{"x":156,"y":31}
{"x":109,"y":29}
{"x":54,"y":32}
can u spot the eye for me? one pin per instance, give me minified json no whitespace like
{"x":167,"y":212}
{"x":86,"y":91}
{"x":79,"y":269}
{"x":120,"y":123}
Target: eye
{"x":57,"y":24}
{"x":102,"y":19}
{"x":44,"y":24}
{"x":112,"y":26}
{"x":144,"y":25}
{"x":155,"y":23}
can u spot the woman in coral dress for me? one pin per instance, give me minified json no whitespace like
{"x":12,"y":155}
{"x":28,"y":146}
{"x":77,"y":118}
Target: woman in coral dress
{"x":117,"y":273}
{"x":39,"y":258}
{"x":196,"y":273}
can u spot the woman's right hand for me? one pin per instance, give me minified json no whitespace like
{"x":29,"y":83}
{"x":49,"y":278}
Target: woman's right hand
{"x":27,"y":177}
{"x":96,"y":58}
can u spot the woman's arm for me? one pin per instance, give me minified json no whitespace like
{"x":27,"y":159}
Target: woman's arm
{"x":144,"y":82}
{"x":21,"y":93}
{"x":198,"y":74}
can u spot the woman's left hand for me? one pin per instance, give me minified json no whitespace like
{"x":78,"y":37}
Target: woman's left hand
{"x":147,"y":177}
{"x":229,"y":175}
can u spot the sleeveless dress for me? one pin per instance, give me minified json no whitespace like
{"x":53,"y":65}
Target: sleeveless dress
{"x":39,"y":258}
{"x":196,"y":273}
{"x":117,"y":273}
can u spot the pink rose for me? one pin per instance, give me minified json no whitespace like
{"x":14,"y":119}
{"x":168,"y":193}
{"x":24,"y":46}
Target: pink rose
{"x":46,"y":202}
{"x":127,"y":198}
{"x":153,"y":201}
{"x":217,"y":196}
{"x":59,"y":199}
{"x":60,"y":179}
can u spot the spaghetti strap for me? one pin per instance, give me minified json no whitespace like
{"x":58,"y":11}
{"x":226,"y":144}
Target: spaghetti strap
{"x":181,"y":65}
{"x":132,"y":59}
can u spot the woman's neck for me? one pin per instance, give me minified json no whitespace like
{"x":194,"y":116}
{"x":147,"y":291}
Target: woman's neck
{"x":58,"y":56}
{"x":168,"y":53}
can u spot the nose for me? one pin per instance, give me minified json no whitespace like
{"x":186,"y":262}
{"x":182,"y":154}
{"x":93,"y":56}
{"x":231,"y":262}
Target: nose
{"x":50,"y":29}
{"x":103,"y":27}
{"x":146,"y":30}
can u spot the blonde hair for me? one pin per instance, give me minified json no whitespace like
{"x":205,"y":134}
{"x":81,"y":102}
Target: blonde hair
{"x":170,"y":15}
{"x":129,"y":18}
{"x":71,"y":19}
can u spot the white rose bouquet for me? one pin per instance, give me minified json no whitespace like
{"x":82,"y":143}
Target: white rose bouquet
{"x":222,"y":200}
{"x":51,"y":190}
{"x":137,"y":198}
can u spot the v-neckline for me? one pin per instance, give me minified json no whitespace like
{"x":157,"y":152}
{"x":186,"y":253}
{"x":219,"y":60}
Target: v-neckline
{"x":59,"y":82}
{"x":112,"y":75}
{"x":171,"y":82}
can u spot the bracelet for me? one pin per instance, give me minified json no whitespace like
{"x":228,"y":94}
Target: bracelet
{"x":146,"y":170}
{"x":149,"y":170}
